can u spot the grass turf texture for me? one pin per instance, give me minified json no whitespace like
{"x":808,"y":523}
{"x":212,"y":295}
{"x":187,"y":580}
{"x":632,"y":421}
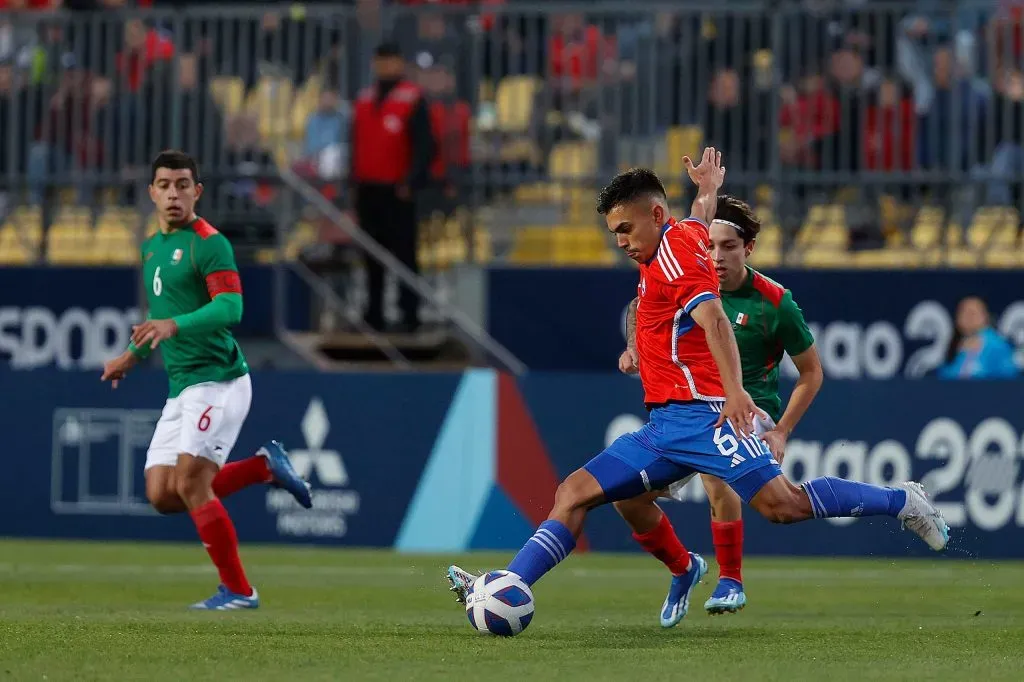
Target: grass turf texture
{"x":91,"y":611}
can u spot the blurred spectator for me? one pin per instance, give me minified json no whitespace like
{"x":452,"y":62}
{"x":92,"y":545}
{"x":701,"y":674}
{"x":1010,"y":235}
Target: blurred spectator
{"x":248,"y":161}
{"x":736,"y":122}
{"x":450,"y":119}
{"x":1007,"y":161}
{"x":809,"y":120}
{"x":143,"y":48}
{"x":579,"y":52}
{"x":977,"y":351}
{"x":889,"y":129}
{"x":325,"y":147}
{"x":198,"y":129}
{"x":950,"y":132}
{"x":391,"y":148}
{"x":66,"y":141}
{"x":851,"y":79}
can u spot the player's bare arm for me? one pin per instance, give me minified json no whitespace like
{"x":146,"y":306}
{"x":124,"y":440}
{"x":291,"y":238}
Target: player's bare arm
{"x":708,"y":175}
{"x":629,"y":361}
{"x":116,"y":369}
{"x":739,"y":407}
{"x":808,"y":364}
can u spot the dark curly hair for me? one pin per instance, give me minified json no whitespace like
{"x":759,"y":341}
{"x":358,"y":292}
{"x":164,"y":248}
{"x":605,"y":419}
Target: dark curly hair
{"x":628,"y":186}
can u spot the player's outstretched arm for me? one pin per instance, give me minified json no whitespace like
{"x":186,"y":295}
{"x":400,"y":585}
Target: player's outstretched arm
{"x":708,"y":175}
{"x":739,"y":406}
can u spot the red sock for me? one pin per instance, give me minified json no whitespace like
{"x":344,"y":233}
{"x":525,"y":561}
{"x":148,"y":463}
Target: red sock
{"x":663,"y":543}
{"x":728,"y":539}
{"x":218,"y":536}
{"x":237,"y":475}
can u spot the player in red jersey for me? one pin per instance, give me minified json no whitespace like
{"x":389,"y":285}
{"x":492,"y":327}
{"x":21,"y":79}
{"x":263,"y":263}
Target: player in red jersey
{"x":702,"y":420}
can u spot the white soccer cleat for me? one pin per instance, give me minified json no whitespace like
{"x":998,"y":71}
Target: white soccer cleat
{"x":921,"y":517}
{"x":460,"y":581}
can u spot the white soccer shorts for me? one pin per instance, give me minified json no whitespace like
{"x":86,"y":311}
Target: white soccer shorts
{"x":675,"y":491}
{"x":203,"y":421}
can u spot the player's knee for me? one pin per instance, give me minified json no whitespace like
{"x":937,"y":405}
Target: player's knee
{"x":781,"y":509}
{"x":574,"y":493}
{"x":193,"y":489}
{"x":164,"y":501}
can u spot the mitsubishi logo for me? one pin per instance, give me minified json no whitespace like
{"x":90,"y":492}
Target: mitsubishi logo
{"x":327,"y":464}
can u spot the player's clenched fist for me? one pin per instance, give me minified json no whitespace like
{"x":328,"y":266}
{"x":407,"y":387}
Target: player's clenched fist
{"x":629,"y":361}
{"x":153,"y":332}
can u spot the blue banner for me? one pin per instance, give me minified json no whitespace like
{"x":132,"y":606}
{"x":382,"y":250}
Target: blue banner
{"x":76,"y":318}
{"x":447,"y":462}
{"x":870,"y":325}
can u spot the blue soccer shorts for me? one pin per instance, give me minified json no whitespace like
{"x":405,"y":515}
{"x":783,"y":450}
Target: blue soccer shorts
{"x":681,"y":439}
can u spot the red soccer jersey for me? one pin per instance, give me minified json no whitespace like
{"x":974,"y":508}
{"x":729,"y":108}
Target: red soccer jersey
{"x":675,"y":361}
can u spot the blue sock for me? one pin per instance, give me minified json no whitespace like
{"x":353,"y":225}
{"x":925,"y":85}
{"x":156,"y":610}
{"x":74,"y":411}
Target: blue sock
{"x":550,"y":544}
{"x":836,"y":497}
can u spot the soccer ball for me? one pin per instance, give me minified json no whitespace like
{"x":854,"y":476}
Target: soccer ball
{"x":499,"y":603}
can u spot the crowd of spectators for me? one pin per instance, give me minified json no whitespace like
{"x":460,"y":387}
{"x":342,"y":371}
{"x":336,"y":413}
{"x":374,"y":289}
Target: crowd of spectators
{"x":827,"y":88}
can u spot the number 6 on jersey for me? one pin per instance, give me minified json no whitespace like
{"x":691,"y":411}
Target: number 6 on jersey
{"x":158,"y":284}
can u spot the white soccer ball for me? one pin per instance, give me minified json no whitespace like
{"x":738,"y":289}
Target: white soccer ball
{"x":499,"y":603}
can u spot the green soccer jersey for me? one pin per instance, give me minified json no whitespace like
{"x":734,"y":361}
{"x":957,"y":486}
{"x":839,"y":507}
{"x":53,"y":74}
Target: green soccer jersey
{"x":767,"y":323}
{"x":183,"y":271}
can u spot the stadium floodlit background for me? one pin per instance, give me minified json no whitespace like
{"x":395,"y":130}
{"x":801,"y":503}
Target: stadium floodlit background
{"x":881,"y":143}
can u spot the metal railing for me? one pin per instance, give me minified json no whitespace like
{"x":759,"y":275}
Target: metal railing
{"x":816,"y":102}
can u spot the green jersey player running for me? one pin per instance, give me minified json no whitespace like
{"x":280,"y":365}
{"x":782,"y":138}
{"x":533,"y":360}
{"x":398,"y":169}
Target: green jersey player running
{"x":767,"y":323}
{"x":194,"y":297}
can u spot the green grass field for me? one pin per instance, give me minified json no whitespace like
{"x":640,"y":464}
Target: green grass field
{"x":105,"y":611}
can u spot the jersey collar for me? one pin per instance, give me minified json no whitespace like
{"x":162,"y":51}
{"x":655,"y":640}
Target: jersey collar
{"x":664,"y":228}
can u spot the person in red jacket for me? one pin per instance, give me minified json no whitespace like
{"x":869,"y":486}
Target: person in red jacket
{"x":450,"y":119}
{"x":391,"y":148}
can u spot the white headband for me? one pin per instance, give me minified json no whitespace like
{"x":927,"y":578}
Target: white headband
{"x":734,"y":225}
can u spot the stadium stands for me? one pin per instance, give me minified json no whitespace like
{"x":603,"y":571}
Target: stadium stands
{"x":854,"y":147}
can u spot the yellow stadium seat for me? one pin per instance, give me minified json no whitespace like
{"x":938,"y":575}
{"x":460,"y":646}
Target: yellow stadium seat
{"x":1003,"y":258}
{"x":271,"y":99}
{"x":534,"y":193}
{"x":514,"y":102}
{"x":886,"y":258}
{"x":987,"y":221}
{"x":825,"y":224}
{"x":959,"y":257}
{"x":27,"y":222}
{"x":680,"y":141}
{"x":483,"y":249}
{"x":826,"y":257}
{"x":306,"y":101}
{"x":768,"y":248}
{"x":70,"y":243}
{"x":927,"y":230}
{"x":531,"y":245}
{"x":580,"y":245}
{"x":229,"y":94}
{"x":14,"y":250}
{"x":114,"y":243}
{"x":303,"y":234}
{"x":572,"y":160}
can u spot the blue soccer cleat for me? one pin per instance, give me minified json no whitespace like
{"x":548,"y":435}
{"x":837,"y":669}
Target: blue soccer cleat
{"x":460,"y":580}
{"x":728,"y":597}
{"x":284,"y":473}
{"x":677,"y":603}
{"x":226,"y":600}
